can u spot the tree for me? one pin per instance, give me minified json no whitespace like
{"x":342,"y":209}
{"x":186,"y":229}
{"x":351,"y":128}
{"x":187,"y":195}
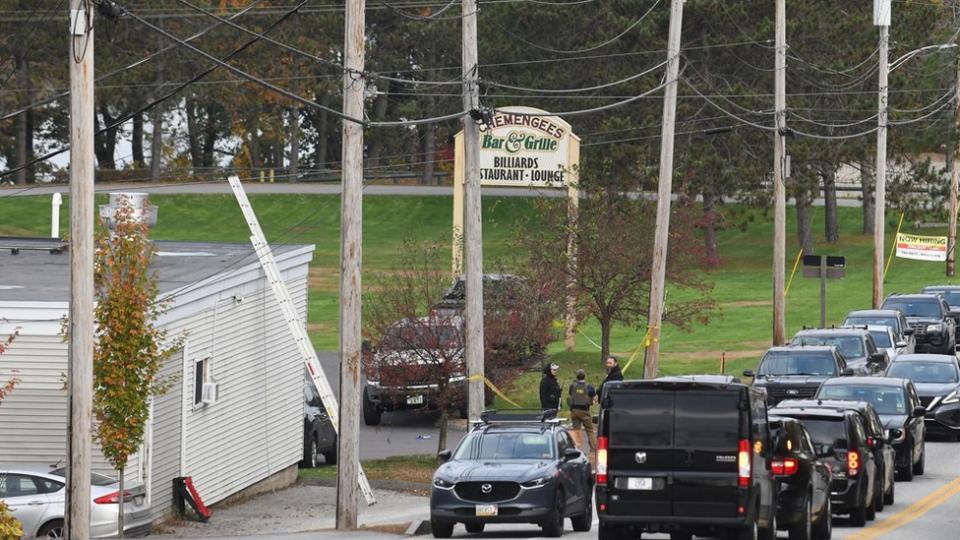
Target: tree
{"x":614,"y":235}
{"x":10,"y":527}
{"x":130,"y":349}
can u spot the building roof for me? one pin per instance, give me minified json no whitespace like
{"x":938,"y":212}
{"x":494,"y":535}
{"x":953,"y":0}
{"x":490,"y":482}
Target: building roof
{"x":36,"y":275}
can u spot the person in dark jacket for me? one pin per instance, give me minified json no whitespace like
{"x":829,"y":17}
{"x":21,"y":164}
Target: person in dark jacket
{"x":613,"y":373}
{"x":580,"y":397}
{"x":550,"y":388}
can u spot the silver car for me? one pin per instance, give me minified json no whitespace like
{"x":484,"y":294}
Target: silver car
{"x":35,"y":495}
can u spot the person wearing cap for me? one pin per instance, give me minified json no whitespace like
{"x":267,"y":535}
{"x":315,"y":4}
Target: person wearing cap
{"x":550,"y":388}
{"x":579,"y":398}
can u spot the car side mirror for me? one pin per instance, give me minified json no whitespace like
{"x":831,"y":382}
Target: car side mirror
{"x":847,"y":372}
{"x":894,"y":434}
{"x":901,"y":344}
{"x":875,"y":358}
{"x":571,"y":454}
{"x":445,"y":455}
{"x":749,"y":373}
{"x":919,"y":411}
{"x":908,"y":332}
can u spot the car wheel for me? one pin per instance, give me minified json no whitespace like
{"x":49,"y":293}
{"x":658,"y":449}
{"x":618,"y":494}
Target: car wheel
{"x":330,"y":456}
{"x":871,"y":509}
{"x":803,"y":529}
{"x":371,"y":415}
{"x":823,"y":529}
{"x":769,"y":533}
{"x":920,"y":465}
{"x":441,"y":529}
{"x":878,"y":498}
{"x":54,"y":529}
{"x":858,"y":516}
{"x":889,"y":496}
{"x":607,"y":531}
{"x":474,"y":528}
{"x":746,"y":533}
{"x":906,"y":473}
{"x":553,"y":526}
{"x":583,"y":522}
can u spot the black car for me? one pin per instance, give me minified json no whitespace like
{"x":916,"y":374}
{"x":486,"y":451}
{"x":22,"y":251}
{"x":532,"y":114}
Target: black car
{"x":513,"y":467}
{"x":840,"y":440}
{"x":795,"y":372}
{"x":877,"y":437}
{"x":898,"y":406}
{"x":685,"y":456}
{"x":803,"y":502}
{"x":882,"y":317}
{"x":933,"y":323}
{"x":319,"y":437}
{"x":950,"y":293}
{"x":855,"y":344}
{"x":937,"y":379}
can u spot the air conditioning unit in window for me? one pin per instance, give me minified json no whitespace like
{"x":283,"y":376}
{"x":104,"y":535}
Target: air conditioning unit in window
{"x":211,"y":393}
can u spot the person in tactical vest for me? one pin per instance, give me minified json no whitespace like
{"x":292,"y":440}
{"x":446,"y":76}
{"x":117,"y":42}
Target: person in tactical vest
{"x":580,"y":397}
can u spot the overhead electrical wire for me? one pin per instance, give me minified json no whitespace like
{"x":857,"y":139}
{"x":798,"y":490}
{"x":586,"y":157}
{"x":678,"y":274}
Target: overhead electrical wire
{"x":575,"y":90}
{"x":626,"y":31}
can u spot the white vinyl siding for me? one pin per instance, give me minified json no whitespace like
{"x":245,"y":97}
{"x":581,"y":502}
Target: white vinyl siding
{"x":165,"y":439}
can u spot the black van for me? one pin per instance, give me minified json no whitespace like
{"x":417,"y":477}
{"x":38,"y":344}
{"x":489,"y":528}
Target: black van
{"x":684,"y":455}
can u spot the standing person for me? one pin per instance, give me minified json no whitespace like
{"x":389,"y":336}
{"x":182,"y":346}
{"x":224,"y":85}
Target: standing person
{"x":580,"y":397}
{"x":613,"y":373}
{"x":550,"y":388}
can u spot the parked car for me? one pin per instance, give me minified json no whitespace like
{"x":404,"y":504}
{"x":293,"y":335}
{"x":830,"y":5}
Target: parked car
{"x":513,"y":468}
{"x":840,"y":439}
{"x":687,"y":457}
{"x":803,"y":501}
{"x":36,"y":494}
{"x":898,"y":406}
{"x":933,"y":323}
{"x":855,"y":344}
{"x":950,"y":293}
{"x":883,"y":451}
{"x":795,"y":372}
{"x":319,"y":437}
{"x":937,"y":379}
{"x":906,"y":343}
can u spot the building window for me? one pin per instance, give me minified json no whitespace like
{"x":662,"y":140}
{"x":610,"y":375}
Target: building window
{"x":200,"y":376}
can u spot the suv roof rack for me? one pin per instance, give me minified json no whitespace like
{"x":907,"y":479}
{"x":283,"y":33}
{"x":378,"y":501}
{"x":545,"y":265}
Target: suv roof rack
{"x":518,"y":416}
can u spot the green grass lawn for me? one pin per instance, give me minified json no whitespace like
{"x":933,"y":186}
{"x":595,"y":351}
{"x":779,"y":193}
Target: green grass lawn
{"x":740,"y":329}
{"x":418,"y":469}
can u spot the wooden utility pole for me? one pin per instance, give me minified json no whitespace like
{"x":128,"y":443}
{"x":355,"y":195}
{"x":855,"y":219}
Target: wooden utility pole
{"x":472,"y":222}
{"x":779,"y":177}
{"x":351,"y":229}
{"x":954,"y":181}
{"x":80,"y":348}
{"x":881,"y":176}
{"x":664,"y":191}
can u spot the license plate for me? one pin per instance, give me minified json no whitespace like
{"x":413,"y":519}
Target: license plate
{"x":415,"y":400}
{"x":486,"y":510}
{"x":644,"y":484}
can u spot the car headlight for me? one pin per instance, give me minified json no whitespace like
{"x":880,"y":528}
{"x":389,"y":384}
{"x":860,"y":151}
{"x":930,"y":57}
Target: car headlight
{"x":536,"y":483}
{"x":952,"y":397}
{"x":935,"y":328}
{"x":442,"y":484}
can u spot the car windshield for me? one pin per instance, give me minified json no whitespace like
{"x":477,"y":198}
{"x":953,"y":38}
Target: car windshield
{"x":831,"y":432}
{"x":505,"y":445}
{"x":850,"y":346}
{"x":924,"y":372}
{"x":423,"y":336}
{"x":928,"y":309}
{"x":796,"y":363}
{"x":95,"y":479}
{"x":885,"y":399}
{"x":881,"y":338}
{"x":892,"y":322}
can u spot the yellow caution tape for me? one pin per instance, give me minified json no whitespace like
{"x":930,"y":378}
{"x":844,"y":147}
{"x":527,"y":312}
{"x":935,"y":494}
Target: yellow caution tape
{"x":647,"y":341}
{"x":493,"y":388}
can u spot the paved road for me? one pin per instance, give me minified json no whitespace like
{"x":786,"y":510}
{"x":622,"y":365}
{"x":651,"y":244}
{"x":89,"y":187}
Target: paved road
{"x":255,"y":188}
{"x":398,"y":433}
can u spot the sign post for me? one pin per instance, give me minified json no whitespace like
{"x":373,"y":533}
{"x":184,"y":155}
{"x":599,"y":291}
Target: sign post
{"x":824,"y":267}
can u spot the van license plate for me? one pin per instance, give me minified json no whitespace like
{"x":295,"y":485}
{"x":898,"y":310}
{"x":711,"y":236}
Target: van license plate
{"x":415,"y":400}
{"x":486,"y":510}
{"x":644,"y":484}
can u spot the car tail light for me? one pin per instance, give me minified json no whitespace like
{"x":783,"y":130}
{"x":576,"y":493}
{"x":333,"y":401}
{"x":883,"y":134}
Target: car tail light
{"x":743,"y":463}
{"x":112,"y":498}
{"x":602,"y":445}
{"x":853,"y":463}
{"x":784,"y":467}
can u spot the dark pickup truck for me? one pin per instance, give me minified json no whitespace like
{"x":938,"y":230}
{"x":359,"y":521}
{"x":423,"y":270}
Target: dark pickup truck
{"x":796,"y":372}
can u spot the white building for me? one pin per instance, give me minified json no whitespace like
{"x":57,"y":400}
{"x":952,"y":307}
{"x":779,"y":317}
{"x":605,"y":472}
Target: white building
{"x":234,"y":337}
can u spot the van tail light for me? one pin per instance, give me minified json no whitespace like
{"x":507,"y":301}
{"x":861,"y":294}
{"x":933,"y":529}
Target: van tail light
{"x":853,"y":463}
{"x":602,"y":444}
{"x":784,"y":466}
{"x":743,"y":463}
{"x":112,"y":498}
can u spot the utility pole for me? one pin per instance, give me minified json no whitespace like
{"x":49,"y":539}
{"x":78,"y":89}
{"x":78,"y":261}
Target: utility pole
{"x":954,"y":181}
{"x":779,"y":177}
{"x":80,"y":348}
{"x":472,"y":219}
{"x":881,"y":176}
{"x":351,"y":229}
{"x":664,"y":191}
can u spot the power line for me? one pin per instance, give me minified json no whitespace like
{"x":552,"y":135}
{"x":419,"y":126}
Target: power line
{"x":632,"y":25}
{"x":576,"y":90}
